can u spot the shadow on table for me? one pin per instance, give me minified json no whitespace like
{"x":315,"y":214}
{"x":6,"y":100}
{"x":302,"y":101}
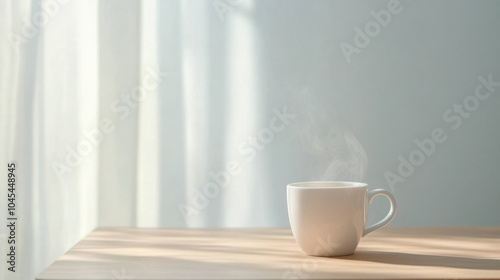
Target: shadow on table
{"x":424,"y":260}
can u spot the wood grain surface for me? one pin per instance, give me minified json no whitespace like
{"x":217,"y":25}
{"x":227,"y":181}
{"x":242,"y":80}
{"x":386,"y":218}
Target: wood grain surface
{"x":390,"y":253}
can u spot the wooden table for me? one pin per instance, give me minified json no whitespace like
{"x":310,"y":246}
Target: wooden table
{"x":390,"y":253}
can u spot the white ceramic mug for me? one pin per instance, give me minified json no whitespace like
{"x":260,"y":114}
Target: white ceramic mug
{"x":329,"y":218}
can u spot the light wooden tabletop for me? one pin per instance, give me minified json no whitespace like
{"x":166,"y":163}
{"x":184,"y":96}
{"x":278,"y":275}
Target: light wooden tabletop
{"x":390,"y":253}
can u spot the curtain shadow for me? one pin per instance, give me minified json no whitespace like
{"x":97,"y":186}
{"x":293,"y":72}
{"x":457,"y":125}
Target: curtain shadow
{"x":25,"y":122}
{"x":171,"y":117}
{"x":217,"y":104}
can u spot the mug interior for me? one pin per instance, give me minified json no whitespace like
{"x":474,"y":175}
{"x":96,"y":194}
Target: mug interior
{"x":327,"y":184}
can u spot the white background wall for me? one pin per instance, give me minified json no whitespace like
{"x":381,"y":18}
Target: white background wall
{"x":228,"y":73}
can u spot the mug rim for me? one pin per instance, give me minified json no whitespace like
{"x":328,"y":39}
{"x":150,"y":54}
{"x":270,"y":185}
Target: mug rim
{"x":333,"y":185}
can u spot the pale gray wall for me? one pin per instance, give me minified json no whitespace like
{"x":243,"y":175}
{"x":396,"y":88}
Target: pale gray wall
{"x":395,"y":91}
{"x":354,"y":119}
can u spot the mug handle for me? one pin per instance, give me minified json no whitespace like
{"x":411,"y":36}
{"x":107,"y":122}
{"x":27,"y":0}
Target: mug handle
{"x":390,"y":215}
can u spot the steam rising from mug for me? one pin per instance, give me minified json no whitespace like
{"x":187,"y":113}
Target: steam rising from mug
{"x":338,"y":154}
{"x":343,"y":156}
{"x":335,"y":152}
